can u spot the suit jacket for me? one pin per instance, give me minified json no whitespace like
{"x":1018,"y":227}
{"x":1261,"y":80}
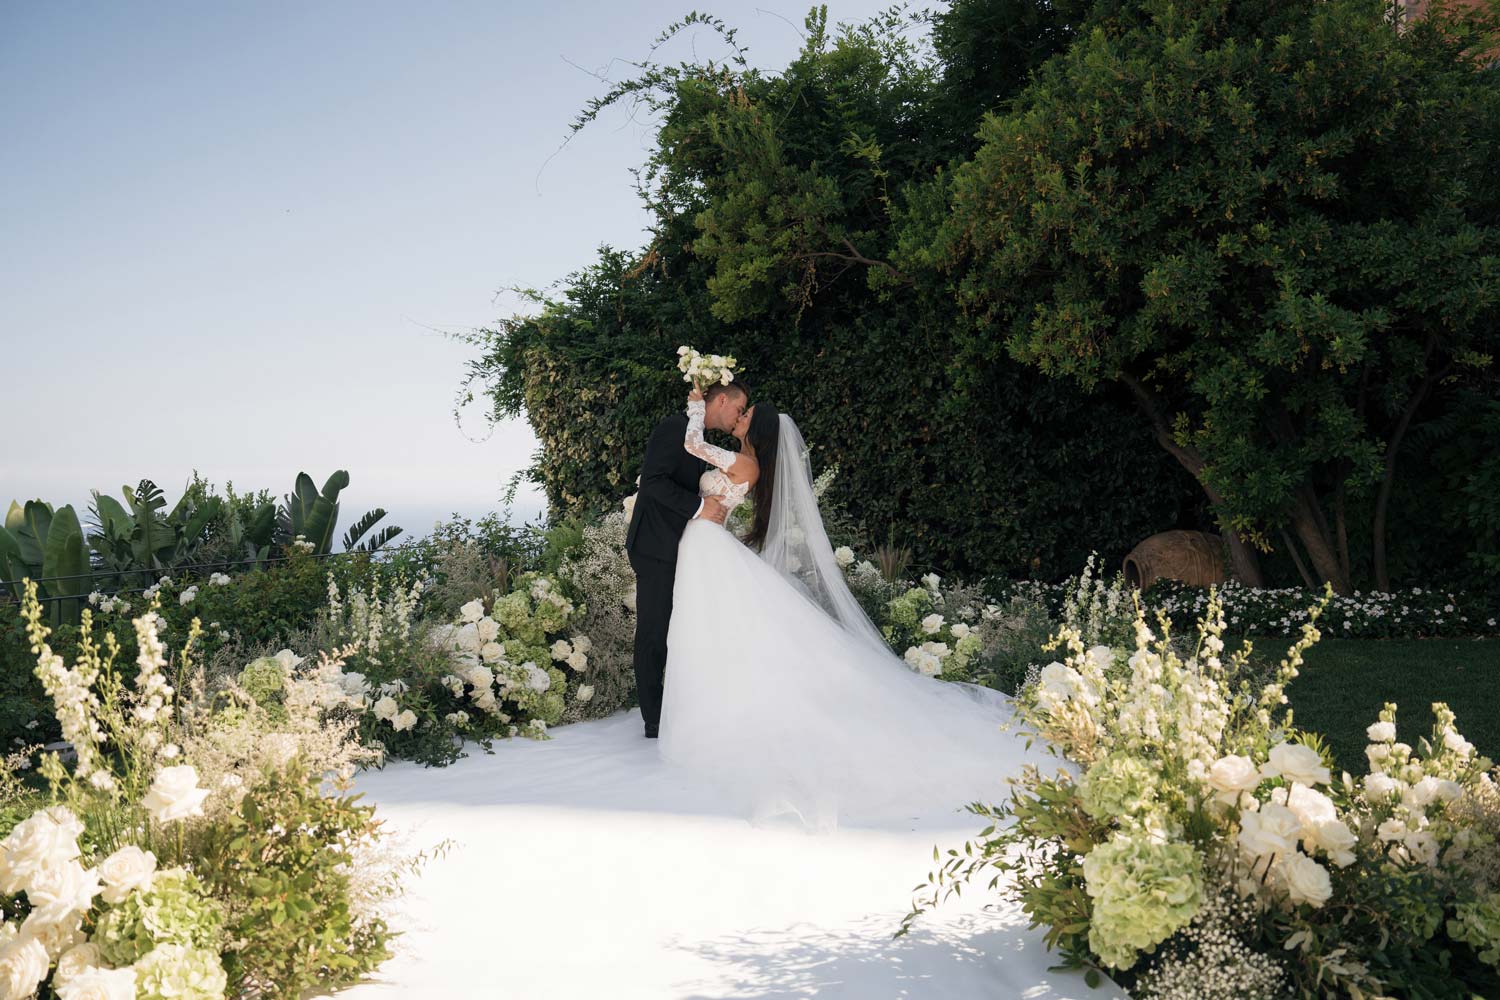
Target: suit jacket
{"x":668,"y":497}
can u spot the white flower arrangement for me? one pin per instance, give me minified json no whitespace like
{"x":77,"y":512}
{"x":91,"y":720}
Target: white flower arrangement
{"x":705,"y":370}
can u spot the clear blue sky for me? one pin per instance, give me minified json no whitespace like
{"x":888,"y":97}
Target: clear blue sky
{"x":230,"y":232}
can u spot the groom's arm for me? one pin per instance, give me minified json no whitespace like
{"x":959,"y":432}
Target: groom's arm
{"x":663,"y":450}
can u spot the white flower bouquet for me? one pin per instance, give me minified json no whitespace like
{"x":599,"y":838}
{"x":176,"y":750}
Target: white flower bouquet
{"x":704,"y":370}
{"x":1196,"y":844}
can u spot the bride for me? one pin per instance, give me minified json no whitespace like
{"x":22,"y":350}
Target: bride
{"x":779,"y":687}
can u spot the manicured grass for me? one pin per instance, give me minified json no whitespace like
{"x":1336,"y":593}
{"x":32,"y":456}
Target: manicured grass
{"x":1345,"y":682}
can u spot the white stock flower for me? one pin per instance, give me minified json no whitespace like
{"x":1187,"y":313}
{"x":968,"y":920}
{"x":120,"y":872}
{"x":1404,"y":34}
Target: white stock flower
{"x":126,"y":870}
{"x":1422,"y":846}
{"x":1272,"y":830}
{"x":175,"y":794}
{"x":96,"y":983}
{"x":1380,"y":786}
{"x":1295,"y":762}
{"x":404,"y":720}
{"x":386,"y":708}
{"x":1306,"y":881}
{"x":1231,"y":775}
{"x":1391,"y":829}
{"x":1455,"y":742}
{"x":471,"y":612}
{"x":1381,"y":732}
{"x":844,"y":556}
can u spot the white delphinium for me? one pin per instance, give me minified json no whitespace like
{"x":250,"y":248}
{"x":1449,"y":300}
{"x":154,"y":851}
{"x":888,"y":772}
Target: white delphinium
{"x":74,"y":703}
{"x":152,"y":689}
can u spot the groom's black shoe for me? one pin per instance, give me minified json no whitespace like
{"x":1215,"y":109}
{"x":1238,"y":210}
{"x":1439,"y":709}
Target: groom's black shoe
{"x":651,"y":734}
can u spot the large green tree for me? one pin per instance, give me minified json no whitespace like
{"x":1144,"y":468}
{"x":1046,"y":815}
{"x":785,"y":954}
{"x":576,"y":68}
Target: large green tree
{"x":1270,"y":220}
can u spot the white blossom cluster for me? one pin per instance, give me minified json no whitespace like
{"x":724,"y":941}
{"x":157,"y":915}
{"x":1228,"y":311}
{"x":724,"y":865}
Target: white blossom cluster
{"x":705,"y":370}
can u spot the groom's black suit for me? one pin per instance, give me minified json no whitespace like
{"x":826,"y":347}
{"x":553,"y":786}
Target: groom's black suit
{"x":667,"y":501}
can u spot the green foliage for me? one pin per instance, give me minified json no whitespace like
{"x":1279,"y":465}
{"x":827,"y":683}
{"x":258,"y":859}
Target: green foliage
{"x":282,"y":867}
{"x":40,"y":543}
{"x":774,"y":200}
{"x":1267,"y":220}
{"x":313,"y":515}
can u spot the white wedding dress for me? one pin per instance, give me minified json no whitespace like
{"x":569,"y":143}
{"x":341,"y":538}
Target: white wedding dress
{"x":779,"y":688}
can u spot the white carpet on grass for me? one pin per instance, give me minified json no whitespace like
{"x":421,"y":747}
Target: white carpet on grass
{"x":584,"y":867}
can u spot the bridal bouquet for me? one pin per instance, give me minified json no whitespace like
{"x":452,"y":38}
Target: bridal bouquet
{"x":1196,"y":844}
{"x":704,"y":370}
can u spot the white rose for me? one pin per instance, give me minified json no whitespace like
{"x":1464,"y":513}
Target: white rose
{"x":175,"y":794}
{"x":73,"y":961}
{"x":488,"y":629}
{"x":844,"y":556}
{"x":1306,"y":881}
{"x":127,"y":869}
{"x":931,"y":581}
{"x":66,"y":888}
{"x":960,"y":631}
{"x":386,"y":708}
{"x":586,"y":693}
{"x":96,"y":983}
{"x":629,"y":505}
{"x":562,"y":649}
{"x":404,"y":720}
{"x":1271,"y":830}
{"x":37,"y":843}
{"x":1100,"y":657}
{"x":932,"y":624}
{"x":1311,"y":806}
{"x":492,"y":652}
{"x":1231,"y":775}
{"x":23,"y":965}
{"x":1338,"y":841}
{"x":578,"y":661}
{"x":1379,"y":787}
{"x":467,"y":638}
{"x":288,"y":659}
{"x":471,"y":612}
{"x":1295,"y":762}
{"x":582,"y":644}
{"x":1381,"y":732}
{"x":938,"y":649}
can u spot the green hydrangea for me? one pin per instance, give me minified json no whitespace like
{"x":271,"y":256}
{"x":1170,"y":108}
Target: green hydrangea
{"x":178,"y":972}
{"x":964,"y":651}
{"x":908,"y":610}
{"x":1478,"y":924}
{"x":519,"y":651}
{"x":174,"y":910}
{"x":1116,"y":787}
{"x":264,"y":679}
{"x":1143,"y":893}
{"x":513,"y":612}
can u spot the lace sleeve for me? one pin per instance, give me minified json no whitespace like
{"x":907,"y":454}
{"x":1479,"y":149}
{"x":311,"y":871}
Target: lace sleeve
{"x":695,"y":444}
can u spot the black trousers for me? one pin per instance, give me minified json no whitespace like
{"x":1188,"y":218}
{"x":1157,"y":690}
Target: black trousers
{"x":654,"y":579}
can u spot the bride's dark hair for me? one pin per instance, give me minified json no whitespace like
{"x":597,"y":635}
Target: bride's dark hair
{"x":765,"y":437}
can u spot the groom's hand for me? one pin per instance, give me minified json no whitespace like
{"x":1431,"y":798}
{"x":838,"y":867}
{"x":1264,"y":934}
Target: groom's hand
{"x":713,"y":511}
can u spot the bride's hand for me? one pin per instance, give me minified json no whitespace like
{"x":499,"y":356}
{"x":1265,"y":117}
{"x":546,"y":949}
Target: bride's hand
{"x":695,"y":396}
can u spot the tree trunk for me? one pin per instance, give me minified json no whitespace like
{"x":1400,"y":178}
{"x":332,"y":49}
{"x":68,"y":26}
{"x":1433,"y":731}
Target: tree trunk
{"x":1242,"y":559}
{"x":1312,"y":531}
{"x":1388,"y":480}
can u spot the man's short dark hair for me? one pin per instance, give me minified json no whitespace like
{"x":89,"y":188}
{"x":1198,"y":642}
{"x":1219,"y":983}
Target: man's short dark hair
{"x":718,"y":389}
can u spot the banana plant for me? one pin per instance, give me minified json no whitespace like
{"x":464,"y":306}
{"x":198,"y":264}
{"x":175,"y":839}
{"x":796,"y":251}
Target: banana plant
{"x":47,"y":545}
{"x":314,"y":514}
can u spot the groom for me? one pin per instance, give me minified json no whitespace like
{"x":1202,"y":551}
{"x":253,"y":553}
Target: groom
{"x":667,"y":501}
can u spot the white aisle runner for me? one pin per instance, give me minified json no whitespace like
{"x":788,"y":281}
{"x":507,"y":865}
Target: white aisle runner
{"x":584,"y":868}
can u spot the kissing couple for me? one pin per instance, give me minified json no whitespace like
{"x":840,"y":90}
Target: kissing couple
{"x":755,"y":664}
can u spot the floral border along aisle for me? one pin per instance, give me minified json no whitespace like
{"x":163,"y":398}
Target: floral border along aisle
{"x":189,"y":851}
{"x":1195,"y":844}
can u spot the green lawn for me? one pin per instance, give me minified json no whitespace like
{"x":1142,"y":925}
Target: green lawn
{"x":1344,"y":683}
